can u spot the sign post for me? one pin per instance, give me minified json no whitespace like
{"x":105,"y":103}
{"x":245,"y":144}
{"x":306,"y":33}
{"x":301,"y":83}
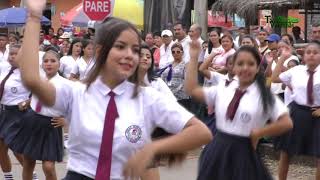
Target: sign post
{"x":97,"y":10}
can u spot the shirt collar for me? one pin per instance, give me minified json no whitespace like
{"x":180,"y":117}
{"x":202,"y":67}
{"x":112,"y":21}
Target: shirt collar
{"x":250,"y":88}
{"x":104,"y":89}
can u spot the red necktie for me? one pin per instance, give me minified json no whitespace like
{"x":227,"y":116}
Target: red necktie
{"x":38,"y":106}
{"x":4,"y":81}
{"x":105,"y":155}
{"x":233,"y":106}
{"x":310,"y":88}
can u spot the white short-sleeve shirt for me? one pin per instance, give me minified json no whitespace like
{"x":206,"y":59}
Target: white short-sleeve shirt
{"x":141,"y":115}
{"x":14,"y":90}
{"x":81,"y":68}
{"x":54,"y":111}
{"x":298,"y":77}
{"x":276,"y":88}
{"x":165,"y":55}
{"x":216,"y":78}
{"x":249,"y":114}
{"x":67,"y":64}
{"x":160,"y":86}
{"x":4,"y":56}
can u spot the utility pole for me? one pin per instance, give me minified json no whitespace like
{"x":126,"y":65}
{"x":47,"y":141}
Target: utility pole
{"x":201,"y":15}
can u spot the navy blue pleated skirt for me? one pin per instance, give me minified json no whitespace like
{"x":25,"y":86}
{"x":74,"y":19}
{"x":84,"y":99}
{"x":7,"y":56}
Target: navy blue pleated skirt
{"x":10,"y":118}
{"x":210,"y":121}
{"x":75,"y":176}
{"x":304,"y":138}
{"x":230,"y":157}
{"x":38,"y":139}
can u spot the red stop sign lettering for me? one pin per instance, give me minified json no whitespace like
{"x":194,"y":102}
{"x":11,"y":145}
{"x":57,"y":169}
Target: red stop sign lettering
{"x":97,"y":10}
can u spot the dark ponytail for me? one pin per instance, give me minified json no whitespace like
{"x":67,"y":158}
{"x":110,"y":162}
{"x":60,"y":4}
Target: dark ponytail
{"x":266,"y":95}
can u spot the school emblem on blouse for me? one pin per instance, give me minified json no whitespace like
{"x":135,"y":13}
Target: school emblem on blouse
{"x":14,"y":90}
{"x":245,"y":117}
{"x":133,"y":133}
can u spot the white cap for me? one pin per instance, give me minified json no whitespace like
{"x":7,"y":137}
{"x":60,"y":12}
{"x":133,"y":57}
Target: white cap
{"x":66,"y":35}
{"x":166,"y":33}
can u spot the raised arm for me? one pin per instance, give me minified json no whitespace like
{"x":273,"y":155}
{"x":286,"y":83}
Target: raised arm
{"x":204,"y":67}
{"x":29,"y":58}
{"x":285,"y":54}
{"x":192,"y":87}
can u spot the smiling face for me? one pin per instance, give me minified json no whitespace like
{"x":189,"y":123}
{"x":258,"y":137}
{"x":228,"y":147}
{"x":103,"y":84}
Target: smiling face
{"x":226,"y":43}
{"x":245,"y":67}
{"x":123,"y":57}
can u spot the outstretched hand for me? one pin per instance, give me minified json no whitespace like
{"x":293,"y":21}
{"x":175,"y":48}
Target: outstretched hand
{"x":35,"y":7}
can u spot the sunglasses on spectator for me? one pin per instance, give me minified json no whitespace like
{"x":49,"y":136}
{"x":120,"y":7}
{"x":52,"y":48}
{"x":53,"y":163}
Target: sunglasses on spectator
{"x":174,"y":52}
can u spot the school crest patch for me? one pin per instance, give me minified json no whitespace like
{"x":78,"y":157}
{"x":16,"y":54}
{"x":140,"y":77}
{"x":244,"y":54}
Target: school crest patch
{"x":14,"y":90}
{"x":245,"y":117}
{"x":133,"y":133}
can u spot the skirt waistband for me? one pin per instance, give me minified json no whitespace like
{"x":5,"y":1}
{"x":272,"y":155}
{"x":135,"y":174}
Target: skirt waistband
{"x":232,"y":138}
{"x":306,"y":108}
{"x":5,"y":107}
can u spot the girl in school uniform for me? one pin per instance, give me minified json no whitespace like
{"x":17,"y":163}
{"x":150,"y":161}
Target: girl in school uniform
{"x":84,"y":64}
{"x":68,"y":62}
{"x":147,"y":78}
{"x":288,"y":89}
{"x":40,"y":133}
{"x":14,"y":98}
{"x":111,"y":119}
{"x":304,"y":80}
{"x":240,"y":120}
{"x":216,"y":78}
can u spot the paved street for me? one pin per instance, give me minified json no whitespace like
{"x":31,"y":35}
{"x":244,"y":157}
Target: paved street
{"x":188,"y":170}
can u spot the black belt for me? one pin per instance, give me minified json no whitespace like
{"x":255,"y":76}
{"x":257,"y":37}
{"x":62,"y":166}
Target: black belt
{"x":6,"y":107}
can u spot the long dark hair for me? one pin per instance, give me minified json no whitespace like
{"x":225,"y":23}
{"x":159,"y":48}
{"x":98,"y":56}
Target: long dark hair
{"x":74,"y":41}
{"x":210,"y":45}
{"x":107,"y":33}
{"x":150,"y":73}
{"x":266,"y":95}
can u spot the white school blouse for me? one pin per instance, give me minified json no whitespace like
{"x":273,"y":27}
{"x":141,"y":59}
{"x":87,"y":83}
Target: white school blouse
{"x":249,"y":114}
{"x":67,"y":64}
{"x":14,"y":90}
{"x":54,"y":111}
{"x":160,"y":86}
{"x":276,"y":88}
{"x":298,"y":77}
{"x":216,"y":78}
{"x":138,"y":117}
{"x":81,"y":68}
